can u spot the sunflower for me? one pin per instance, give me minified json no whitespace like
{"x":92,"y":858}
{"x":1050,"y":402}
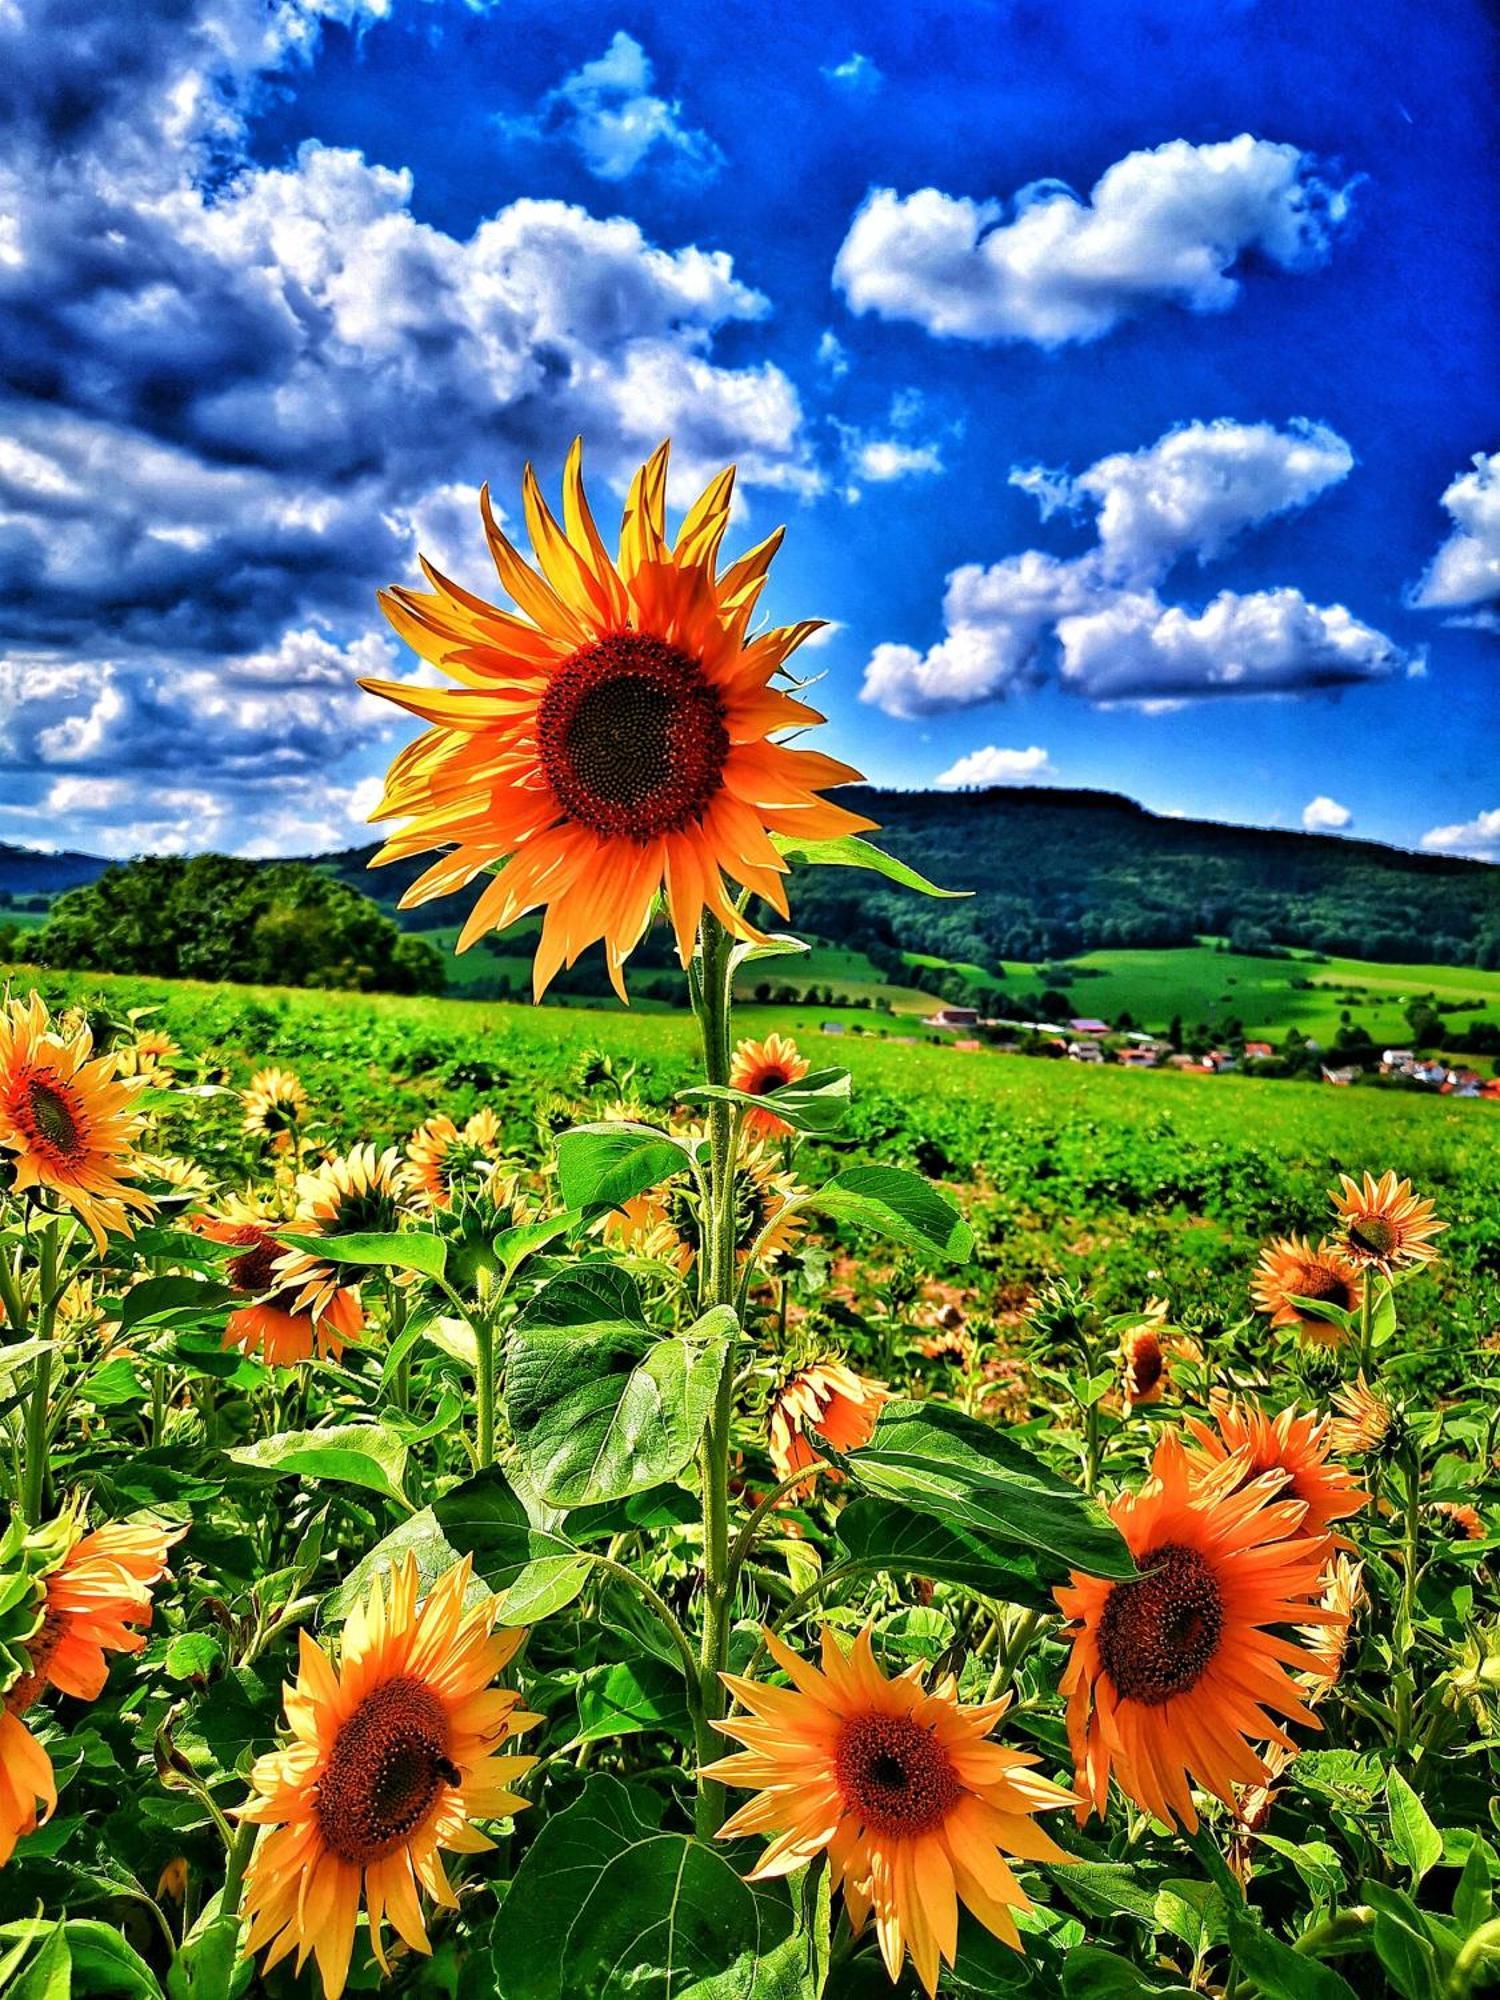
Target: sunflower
{"x":441,"y":1158}
{"x":1369,"y":1422}
{"x":614,"y":742}
{"x":99,"y":1591}
{"x":1464,"y":1523}
{"x":1386,"y":1226}
{"x":1343,"y":1594}
{"x":150,"y":1053}
{"x":916,"y":1808}
{"x":275,"y":1106}
{"x":1173,"y":1675}
{"x":359,"y":1192}
{"x":1294,"y":1443}
{"x":274,"y":1325}
{"x":392,"y":1757}
{"x":1290,"y":1268}
{"x":758,"y":1067}
{"x":28,"y":1790}
{"x":828,"y":1398}
{"x":66,"y":1119}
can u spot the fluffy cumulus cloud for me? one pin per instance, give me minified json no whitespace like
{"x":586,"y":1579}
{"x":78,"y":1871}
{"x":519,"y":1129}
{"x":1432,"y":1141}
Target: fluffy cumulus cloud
{"x":858,"y":74}
{"x":1325,"y":815}
{"x":234,"y":398}
{"x":1478,"y":837}
{"x":1465,"y":572}
{"x":610,"y":113}
{"x":994,"y":766}
{"x":1099,"y":620}
{"x":1171,"y":225}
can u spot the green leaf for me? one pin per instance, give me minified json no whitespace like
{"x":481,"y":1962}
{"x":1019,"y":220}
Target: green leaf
{"x":80,"y":1957}
{"x":392,"y":1249}
{"x":1278,"y":1972}
{"x":513,"y":1246}
{"x":585,"y":1295}
{"x":933,"y":1458}
{"x":1473,"y":1899}
{"x":535,"y":1571}
{"x":50,"y":1974}
{"x":899,"y":1205}
{"x":604,"y":1166}
{"x":1415,"y":1840}
{"x":1091,"y":1973}
{"x":192,"y":1656}
{"x":599,"y":1412}
{"x":626,"y":1698}
{"x":366,"y":1455}
{"x":174,"y":1301}
{"x":817,"y":1102}
{"x":851,"y":852}
{"x":1404,"y":1944}
{"x":892,"y":1539}
{"x":21,"y":1354}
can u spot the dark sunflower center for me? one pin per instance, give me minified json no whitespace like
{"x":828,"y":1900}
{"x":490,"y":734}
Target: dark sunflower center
{"x":53,"y":1118}
{"x":389,"y":1762}
{"x":893,"y":1775}
{"x":632,"y":737}
{"x":769,"y":1079}
{"x":1158,"y":1633}
{"x":254,"y":1270}
{"x":1322,"y":1282}
{"x":1145,"y":1363}
{"x":1373,"y":1234}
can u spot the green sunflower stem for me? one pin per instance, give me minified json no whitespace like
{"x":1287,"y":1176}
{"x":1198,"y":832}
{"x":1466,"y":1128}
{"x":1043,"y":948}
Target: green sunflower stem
{"x":712,"y":1000}
{"x":39,"y":1401}
{"x":1367,"y":1328}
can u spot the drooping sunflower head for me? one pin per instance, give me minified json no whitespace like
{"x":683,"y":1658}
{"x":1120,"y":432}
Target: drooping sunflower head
{"x":1384,"y":1225}
{"x":275,"y":1105}
{"x":1162,"y":1664}
{"x":826,"y":1397}
{"x":614,"y":738}
{"x":1291,"y":1269}
{"x":393,"y":1756}
{"x":1143,"y":1356}
{"x":1296,"y":1443}
{"x":759,"y":1067}
{"x":903,"y":1787}
{"x":278,"y":1323}
{"x":358,"y":1191}
{"x":66,"y":1120}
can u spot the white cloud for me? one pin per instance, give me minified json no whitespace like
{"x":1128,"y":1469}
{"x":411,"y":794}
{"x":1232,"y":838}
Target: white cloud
{"x":608,"y":110}
{"x":1466,"y":569}
{"x":883,"y":459}
{"x":857,"y":74}
{"x":1169,"y":225}
{"x":1098,"y":619}
{"x":994,"y":766}
{"x":1478,"y":837}
{"x":1325,"y":815}
{"x":832,"y":356}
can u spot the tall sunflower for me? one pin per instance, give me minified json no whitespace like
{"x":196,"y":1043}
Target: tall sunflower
{"x":66,"y":1120}
{"x":393,"y":1757}
{"x":442,"y":1158}
{"x":1295,"y":1442}
{"x":614,"y":741}
{"x":916,"y":1808}
{"x":1173,"y":1676}
{"x":1386,"y":1225}
{"x":1290,"y":1269}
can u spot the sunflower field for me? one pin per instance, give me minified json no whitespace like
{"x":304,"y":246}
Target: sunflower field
{"x":664,"y":1533}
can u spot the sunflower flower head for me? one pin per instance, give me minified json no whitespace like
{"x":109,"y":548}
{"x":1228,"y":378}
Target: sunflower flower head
{"x":394,"y":1753}
{"x":1143,"y":1357}
{"x":356,"y":1193}
{"x":275,"y":1324}
{"x":614,"y":739}
{"x":759,"y":1067}
{"x":1174,"y":1677}
{"x":1295,"y":1443}
{"x":904,"y":1789}
{"x":1370,"y":1423}
{"x":1462,"y":1522}
{"x":1291,"y":1269}
{"x":1384,"y":1225}
{"x":275,"y":1106}
{"x":1343,"y":1595}
{"x":443,"y":1159}
{"x":828,"y":1398}
{"x":28,"y":1788}
{"x":66,"y":1120}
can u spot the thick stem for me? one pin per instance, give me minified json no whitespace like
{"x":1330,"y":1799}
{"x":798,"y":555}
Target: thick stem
{"x":39,"y":1404}
{"x":484,"y":1383}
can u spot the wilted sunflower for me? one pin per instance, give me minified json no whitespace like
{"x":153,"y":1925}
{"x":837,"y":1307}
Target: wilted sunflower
{"x":758,"y":1067}
{"x":614,"y":742}
{"x":275,"y":1105}
{"x":915,"y":1807}
{"x":441,"y":1157}
{"x":1294,"y":1442}
{"x":828,"y":1398}
{"x":274,"y":1325}
{"x":28,"y":1790}
{"x":392,"y":1759}
{"x":1290,"y":1268}
{"x":96,"y":1597}
{"x":1386,"y":1225}
{"x":1173,"y":1676}
{"x":65,"y":1117}
{"x":1143,"y":1358}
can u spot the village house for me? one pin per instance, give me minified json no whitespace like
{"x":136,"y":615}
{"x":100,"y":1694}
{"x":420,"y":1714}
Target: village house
{"x":1342,"y":1077}
{"x":1085,"y":1052}
{"x":1087,"y":1025}
{"x":953,"y":1017}
{"x":1259,"y":1052}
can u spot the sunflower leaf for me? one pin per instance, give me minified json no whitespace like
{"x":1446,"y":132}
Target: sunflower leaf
{"x":852,"y":852}
{"x":393,"y":1249}
{"x":817,"y":1102}
{"x":604,"y":1166}
{"x":899,"y":1205}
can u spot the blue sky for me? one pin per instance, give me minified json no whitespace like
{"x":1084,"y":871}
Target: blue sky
{"x":1124,"y":372}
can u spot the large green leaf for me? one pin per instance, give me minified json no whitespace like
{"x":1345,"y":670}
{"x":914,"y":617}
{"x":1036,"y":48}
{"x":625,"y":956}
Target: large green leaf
{"x":604,"y":1166}
{"x":81,"y":1956}
{"x":881,"y":1536}
{"x":899,"y":1205}
{"x":629,"y":1697}
{"x":605,"y":1903}
{"x":367,"y":1455}
{"x":391,"y":1250}
{"x":933,"y":1458}
{"x":817,"y":1102}
{"x":1091,"y":1973}
{"x":535,"y":1570}
{"x":1415,"y":1841}
{"x":174,"y":1302}
{"x":585,"y":1295}
{"x":852,"y":852}
{"x":599,"y":1412}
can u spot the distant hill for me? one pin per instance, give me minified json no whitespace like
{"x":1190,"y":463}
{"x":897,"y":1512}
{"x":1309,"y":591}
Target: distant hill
{"x":1056,"y":872}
